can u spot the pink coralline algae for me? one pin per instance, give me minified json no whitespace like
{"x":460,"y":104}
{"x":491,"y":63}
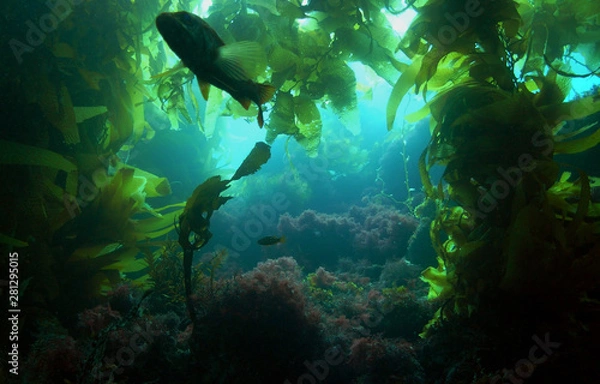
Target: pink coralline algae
{"x":260,"y":329}
{"x":321,"y":278}
{"x":54,"y":359}
{"x":96,"y":319}
{"x":375,"y":232}
{"x":376,"y":359}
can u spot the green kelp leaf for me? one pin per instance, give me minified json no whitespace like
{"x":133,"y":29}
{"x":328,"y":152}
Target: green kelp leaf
{"x":270,"y":5}
{"x":247,"y":26}
{"x":194,"y":101}
{"x":199,"y":208}
{"x":214,"y":108}
{"x":21,"y":154}
{"x":236,"y":110}
{"x":170,"y":92}
{"x":154,"y":186}
{"x":313,"y":44}
{"x":281,"y":120}
{"x":359,"y":45}
{"x":404,"y":83}
{"x":308,"y":121}
{"x":578,"y":145}
{"x":290,"y":10}
{"x":448,"y":71}
{"x":382,"y":32}
{"x":424,"y":173}
{"x":572,"y":110}
{"x":154,"y":227}
{"x":177,"y":103}
{"x":419,"y":114}
{"x":562,"y":195}
{"x":340,"y":83}
{"x":252,"y":163}
{"x":85,"y":113}
{"x":350,"y":118}
{"x":439,"y":285}
{"x":11,"y":241}
{"x":281,"y":59}
{"x":124,"y":260}
{"x":431,"y":324}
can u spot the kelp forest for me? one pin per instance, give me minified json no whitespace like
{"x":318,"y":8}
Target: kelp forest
{"x":482,"y":266}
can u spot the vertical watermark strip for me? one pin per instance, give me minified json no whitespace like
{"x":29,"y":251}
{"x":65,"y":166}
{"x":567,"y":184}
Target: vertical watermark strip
{"x":13,"y":312}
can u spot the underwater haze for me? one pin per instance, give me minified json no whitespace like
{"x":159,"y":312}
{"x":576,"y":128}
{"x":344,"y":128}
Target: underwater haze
{"x":300,"y":191}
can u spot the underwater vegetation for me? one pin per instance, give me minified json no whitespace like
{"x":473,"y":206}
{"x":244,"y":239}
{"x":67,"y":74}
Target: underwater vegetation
{"x":194,"y":221}
{"x":270,"y":301}
{"x":514,"y":222}
{"x":516,"y":233}
{"x":263,"y":326}
{"x":518,"y":215}
{"x":375,"y":232}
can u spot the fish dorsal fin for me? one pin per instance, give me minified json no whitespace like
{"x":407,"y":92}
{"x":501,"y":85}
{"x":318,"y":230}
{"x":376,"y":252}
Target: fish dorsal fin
{"x":204,"y":88}
{"x":243,"y":60}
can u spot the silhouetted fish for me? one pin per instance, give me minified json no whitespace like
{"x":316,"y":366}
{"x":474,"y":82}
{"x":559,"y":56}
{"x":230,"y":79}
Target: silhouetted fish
{"x":229,"y":67}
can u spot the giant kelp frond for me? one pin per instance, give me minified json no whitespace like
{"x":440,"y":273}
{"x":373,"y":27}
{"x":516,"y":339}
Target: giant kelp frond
{"x":296,"y":116}
{"x":509,"y":219}
{"x":259,"y":155}
{"x":194,"y":222}
{"x":496,"y":42}
{"x":308,"y":47}
{"x":20,"y":154}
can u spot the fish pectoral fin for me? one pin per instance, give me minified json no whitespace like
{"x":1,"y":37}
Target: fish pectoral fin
{"x":243,"y":60}
{"x":245,"y":102}
{"x":204,"y":88}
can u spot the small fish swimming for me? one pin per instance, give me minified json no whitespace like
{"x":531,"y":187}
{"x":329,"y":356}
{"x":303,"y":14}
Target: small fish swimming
{"x":271,"y":240}
{"x":230,"y":67}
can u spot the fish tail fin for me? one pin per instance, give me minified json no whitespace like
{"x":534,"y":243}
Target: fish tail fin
{"x":282,"y":239}
{"x":261,"y":119}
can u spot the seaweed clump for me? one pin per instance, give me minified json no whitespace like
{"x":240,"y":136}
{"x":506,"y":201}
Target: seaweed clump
{"x":260,"y":328}
{"x":516,"y":233}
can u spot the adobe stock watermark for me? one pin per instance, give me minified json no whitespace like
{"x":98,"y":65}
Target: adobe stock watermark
{"x":87,"y":190}
{"x":124,"y":357}
{"x":511,"y":177}
{"x":458,"y":23}
{"x":37,"y":31}
{"x":524,"y":368}
{"x":318,"y":370}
